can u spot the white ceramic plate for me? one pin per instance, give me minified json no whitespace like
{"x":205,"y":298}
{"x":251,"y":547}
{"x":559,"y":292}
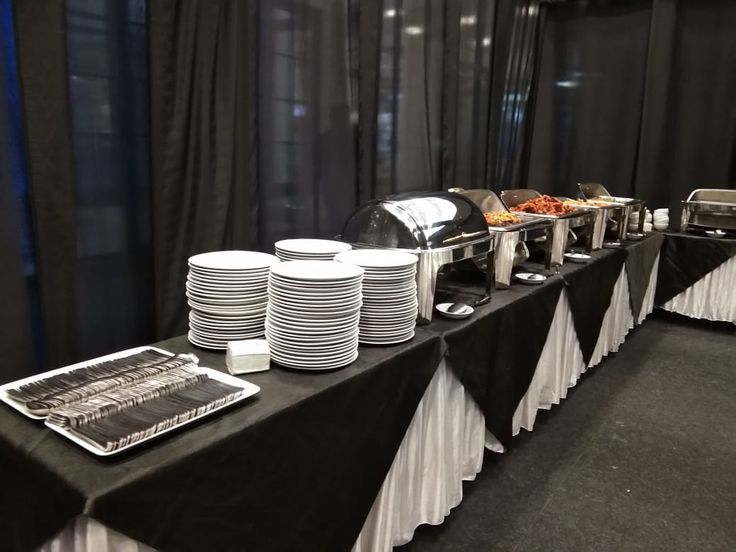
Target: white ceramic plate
{"x":530,"y":278}
{"x":377,"y":258}
{"x":233,"y":260}
{"x":322,"y":271}
{"x":328,"y":365}
{"x":442,"y":308}
{"x":577,"y":257}
{"x":311,"y":246}
{"x":394,"y":341}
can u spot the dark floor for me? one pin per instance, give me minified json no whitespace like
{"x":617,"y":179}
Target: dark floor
{"x":640,"y":456}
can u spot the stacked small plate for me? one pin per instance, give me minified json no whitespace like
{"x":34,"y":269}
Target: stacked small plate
{"x":313,"y":313}
{"x":390,"y":302}
{"x":227,"y":292}
{"x":305,"y":249}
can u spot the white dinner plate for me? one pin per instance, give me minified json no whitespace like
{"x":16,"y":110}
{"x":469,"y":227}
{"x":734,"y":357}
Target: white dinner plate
{"x":394,"y":341}
{"x":320,"y":271}
{"x":377,"y":258}
{"x":233,"y":260}
{"x":311,"y":246}
{"x":296,"y":363}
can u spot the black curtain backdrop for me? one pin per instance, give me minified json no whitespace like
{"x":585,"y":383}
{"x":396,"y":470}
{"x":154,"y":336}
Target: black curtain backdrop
{"x":15,"y":338}
{"x":466,"y":98}
{"x":108,"y":88}
{"x":42,"y":62}
{"x":203,"y":139}
{"x":307,"y":154}
{"x":515,"y":50}
{"x":589,"y":95}
{"x":688,"y":131}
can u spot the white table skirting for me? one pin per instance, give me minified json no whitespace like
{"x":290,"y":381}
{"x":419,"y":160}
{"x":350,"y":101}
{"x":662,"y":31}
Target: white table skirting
{"x":713,"y":297}
{"x":444,"y":444}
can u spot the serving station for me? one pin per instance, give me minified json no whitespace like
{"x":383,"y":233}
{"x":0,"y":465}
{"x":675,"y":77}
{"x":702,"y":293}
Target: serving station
{"x":710,"y":211}
{"x":563,"y":218}
{"x":511,"y":234}
{"x":441,"y":228}
{"x":597,"y":192}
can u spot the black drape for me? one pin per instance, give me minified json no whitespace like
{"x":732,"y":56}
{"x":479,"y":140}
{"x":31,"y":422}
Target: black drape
{"x":515,"y":48}
{"x":15,"y":338}
{"x":203,"y":131}
{"x":306,"y":142}
{"x":43,"y":75}
{"x":108,"y":78}
{"x":688,"y":131}
{"x":466,"y":96}
{"x":588,"y":102}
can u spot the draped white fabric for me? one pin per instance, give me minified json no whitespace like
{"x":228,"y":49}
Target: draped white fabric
{"x":442,"y":448}
{"x":87,"y":535}
{"x":713,"y":297}
{"x":561,"y":363}
{"x":444,"y":444}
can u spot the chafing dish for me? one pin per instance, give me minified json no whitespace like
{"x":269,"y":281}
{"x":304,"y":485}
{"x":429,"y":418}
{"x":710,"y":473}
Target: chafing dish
{"x":598,"y":192}
{"x":709,"y":209}
{"x":562,"y":225}
{"x":509,"y":241}
{"x":611,"y":215}
{"x":440,"y":227}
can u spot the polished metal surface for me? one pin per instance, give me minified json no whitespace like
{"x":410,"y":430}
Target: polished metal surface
{"x":439,"y":227}
{"x":709,"y":208}
{"x":509,"y":247}
{"x":562,"y":225}
{"x":598,"y":192}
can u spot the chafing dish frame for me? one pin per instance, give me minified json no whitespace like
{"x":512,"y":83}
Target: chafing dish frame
{"x":561,"y":224}
{"x":597,"y":192}
{"x":506,"y":238}
{"x":693,"y":210}
{"x":615,"y":212}
{"x":431,"y":260}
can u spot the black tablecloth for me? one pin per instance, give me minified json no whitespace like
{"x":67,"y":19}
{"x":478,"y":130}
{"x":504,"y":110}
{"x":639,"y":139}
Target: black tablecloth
{"x":494,"y":354}
{"x":639,"y":264}
{"x":297,"y":468}
{"x":589,"y":292}
{"x":685,"y":259}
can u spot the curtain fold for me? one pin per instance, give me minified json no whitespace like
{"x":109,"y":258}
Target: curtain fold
{"x":688,"y":121}
{"x":202,"y":58}
{"x":16,"y":339}
{"x":40,"y":33}
{"x":515,"y":43}
{"x":307,"y":149}
{"x":588,"y":103}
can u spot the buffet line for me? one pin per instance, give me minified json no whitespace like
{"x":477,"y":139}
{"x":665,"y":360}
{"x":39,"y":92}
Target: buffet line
{"x":311,"y":304}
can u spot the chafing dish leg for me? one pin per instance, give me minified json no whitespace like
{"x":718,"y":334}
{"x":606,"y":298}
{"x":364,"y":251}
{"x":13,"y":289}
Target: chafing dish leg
{"x":589,"y":239}
{"x":642,"y":217}
{"x":548,"y":250}
{"x":490,"y":279}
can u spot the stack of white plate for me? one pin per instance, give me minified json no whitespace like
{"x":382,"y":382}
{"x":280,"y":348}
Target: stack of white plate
{"x":307,"y":249}
{"x":228,"y":293}
{"x":313,"y":313}
{"x":390,"y":302}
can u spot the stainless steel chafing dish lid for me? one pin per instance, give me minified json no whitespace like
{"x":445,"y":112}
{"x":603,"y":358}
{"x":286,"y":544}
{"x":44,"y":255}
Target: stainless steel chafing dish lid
{"x":424,"y":220}
{"x":596,"y":190}
{"x":712,"y":200}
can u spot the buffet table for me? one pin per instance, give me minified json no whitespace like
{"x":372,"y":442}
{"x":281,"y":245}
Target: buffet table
{"x":357,"y":457}
{"x":698,"y":277}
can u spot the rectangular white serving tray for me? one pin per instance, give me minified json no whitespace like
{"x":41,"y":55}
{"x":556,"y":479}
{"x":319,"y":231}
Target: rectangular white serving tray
{"x":249,"y":390}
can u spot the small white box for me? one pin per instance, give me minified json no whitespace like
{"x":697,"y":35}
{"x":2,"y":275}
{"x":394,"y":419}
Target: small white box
{"x":248,"y":356}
